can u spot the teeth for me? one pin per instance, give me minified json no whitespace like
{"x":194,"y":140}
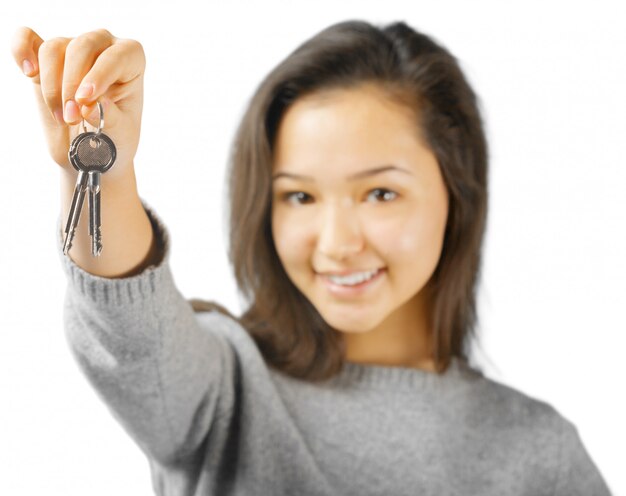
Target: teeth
{"x":353,"y":279}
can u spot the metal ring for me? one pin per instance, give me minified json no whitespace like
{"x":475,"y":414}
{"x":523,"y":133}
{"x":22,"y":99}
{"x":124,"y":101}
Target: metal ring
{"x":101,"y":126}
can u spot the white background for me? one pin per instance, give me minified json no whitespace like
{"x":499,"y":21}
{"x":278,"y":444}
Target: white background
{"x":551,"y":78}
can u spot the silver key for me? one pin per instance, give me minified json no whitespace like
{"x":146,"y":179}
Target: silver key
{"x":75,"y":209}
{"x":91,"y":154}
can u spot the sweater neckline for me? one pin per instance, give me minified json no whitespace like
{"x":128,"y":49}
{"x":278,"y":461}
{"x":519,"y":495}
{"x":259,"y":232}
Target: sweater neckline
{"x":368,"y":375}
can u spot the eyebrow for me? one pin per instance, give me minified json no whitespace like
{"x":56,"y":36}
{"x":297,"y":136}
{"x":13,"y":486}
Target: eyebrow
{"x":353,"y":177}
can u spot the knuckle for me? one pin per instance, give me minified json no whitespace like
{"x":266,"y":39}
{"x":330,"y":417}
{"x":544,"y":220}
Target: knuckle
{"x":133,"y":47}
{"x":140,"y":50}
{"x":117,"y":50}
{"x":50,"y":95}
{"x":19,"y":42}
{"x":84,"y":43}
{"x":103,"y":33}
{"x":53,"y":47}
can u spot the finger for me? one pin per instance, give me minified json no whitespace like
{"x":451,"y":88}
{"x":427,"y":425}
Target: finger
{"x":80,"y":55}
{"x":51,"y":61}
{"x":111,"y":113}
{"x":120,"y":63}
{"x":24,"y":47}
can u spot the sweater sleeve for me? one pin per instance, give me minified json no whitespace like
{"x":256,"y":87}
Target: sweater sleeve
{"x":140,"y":345}
{"x":578,"y":474}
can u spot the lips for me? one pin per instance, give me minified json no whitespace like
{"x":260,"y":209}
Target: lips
{"x":351,"y":291}
{"x":343,"y":273}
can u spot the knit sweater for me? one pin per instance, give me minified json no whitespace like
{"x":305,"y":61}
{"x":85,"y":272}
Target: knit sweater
{"x":195,"y":394}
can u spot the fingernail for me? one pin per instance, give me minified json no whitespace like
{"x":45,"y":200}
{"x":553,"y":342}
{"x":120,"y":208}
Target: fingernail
{"x":71,"y":111}
{"x":86,"y":90}
{"x":27,"y":67}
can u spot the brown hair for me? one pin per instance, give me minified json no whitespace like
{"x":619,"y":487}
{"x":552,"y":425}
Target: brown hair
{"x":422,"y":75}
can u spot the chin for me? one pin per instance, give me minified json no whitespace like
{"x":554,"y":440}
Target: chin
{"x":353,"y":330}
{"x":349,"y":326}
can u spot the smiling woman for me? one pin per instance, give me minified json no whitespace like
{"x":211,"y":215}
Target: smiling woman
{"x":343,"y":105}
{"x":390,"y":248}
{"x":358,"y":190}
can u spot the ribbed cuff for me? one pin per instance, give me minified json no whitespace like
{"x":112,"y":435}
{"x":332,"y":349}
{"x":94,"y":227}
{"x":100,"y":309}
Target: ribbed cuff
{"x":124,"y":290}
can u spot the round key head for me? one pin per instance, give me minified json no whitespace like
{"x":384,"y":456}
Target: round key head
{"x":92,"y":152}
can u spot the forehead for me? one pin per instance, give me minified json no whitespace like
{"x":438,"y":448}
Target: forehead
{"x":347,"y":130}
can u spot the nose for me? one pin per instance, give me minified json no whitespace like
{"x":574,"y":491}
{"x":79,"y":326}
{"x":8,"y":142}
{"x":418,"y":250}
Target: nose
{"x":340,"y":233}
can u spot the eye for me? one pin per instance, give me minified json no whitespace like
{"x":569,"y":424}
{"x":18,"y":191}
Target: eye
{"x":300,"y":197}
{"x":387,"y":194}
{"x":295,"y":197}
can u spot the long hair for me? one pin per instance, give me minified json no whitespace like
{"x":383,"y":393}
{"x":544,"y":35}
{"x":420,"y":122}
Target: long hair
{"x":417,"y":72}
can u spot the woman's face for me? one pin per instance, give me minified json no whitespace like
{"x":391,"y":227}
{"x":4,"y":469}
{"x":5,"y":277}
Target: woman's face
{"x":356,"y":191}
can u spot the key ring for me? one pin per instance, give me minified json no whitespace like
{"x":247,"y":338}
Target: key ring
{"x":101,"y":126}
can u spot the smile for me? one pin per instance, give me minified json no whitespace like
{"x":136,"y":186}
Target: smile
{"x":352,"y":279}
{"x":354,"y":284}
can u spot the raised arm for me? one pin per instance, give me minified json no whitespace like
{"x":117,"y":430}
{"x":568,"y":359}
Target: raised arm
{"x":162,"y":375}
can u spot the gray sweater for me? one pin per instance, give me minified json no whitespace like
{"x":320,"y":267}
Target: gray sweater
{"x":193,"y":391}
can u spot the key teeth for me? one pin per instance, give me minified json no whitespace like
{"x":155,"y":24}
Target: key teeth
{"x":67,"y":244}
{"x":96,"y":247}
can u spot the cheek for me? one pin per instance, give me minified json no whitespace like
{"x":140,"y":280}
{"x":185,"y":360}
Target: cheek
{"x":290,"y":238}
{"x":416,"y":238}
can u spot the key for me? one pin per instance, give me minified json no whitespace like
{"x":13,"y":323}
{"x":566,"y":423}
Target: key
{"x":75,"y":209}
{"x":91,"y":154}
{"x":94,"y":213}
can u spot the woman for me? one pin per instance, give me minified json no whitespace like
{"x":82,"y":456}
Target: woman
{"x":358,"y":188}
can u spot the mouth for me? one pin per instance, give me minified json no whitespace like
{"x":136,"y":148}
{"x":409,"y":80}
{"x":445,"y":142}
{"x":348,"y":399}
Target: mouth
{"x":354,"y":283}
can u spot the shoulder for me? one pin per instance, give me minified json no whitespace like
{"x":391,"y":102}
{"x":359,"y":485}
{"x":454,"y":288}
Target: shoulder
{"x":507,"y":407}
{"x":528,"y":435}
{"x":519,"y":421}
{"x":525,"y":433}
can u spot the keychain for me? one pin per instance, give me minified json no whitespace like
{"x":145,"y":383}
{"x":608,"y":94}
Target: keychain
{"x":91,"y":154}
